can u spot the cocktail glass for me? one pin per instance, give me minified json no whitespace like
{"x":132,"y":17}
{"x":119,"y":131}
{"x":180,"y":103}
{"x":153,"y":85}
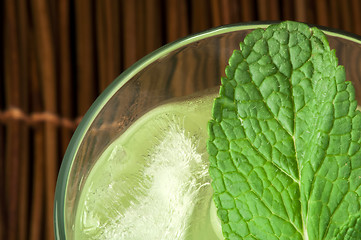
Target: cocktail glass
{"x":192,"y":65}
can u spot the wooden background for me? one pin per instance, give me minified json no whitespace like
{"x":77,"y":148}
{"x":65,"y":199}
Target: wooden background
{"x":57,"y":56}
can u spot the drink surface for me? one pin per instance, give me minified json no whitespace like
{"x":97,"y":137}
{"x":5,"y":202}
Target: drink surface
{"x":152,"y":182}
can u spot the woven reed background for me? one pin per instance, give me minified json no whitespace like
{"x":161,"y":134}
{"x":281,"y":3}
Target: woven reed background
{"x":58,"y":56}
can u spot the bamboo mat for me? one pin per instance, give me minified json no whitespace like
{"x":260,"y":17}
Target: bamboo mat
{"x":58,"y":56}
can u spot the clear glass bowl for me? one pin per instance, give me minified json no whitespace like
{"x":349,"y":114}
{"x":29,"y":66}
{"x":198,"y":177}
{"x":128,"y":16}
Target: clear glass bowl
{"x":187,"y":66}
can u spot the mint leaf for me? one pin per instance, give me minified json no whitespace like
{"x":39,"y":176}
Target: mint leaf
{"x":284,"y":141}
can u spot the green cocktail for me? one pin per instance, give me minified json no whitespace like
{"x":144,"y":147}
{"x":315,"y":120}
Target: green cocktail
{"x":125,"y":159}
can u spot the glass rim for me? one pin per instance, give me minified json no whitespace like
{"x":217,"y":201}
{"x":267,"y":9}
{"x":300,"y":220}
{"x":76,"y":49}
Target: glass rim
{"x":124,"y":77}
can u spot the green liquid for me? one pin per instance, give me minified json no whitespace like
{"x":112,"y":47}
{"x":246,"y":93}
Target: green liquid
{"x":153,"y":182}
